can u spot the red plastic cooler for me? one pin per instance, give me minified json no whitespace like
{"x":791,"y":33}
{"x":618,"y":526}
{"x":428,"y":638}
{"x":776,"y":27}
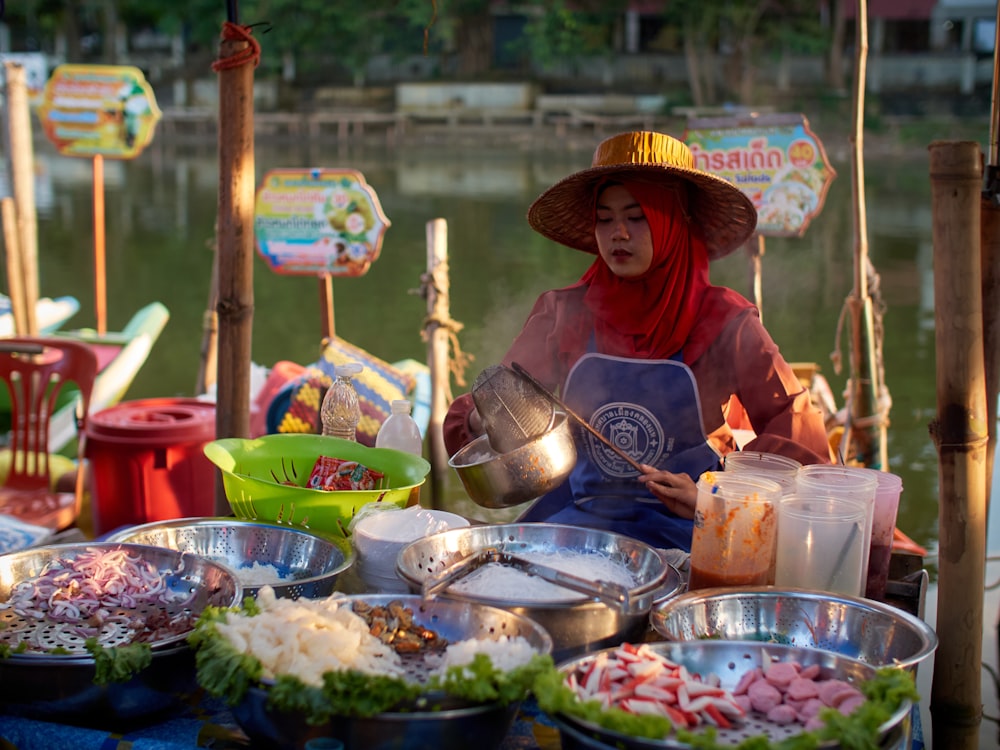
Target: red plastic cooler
{"x":148,"y":462}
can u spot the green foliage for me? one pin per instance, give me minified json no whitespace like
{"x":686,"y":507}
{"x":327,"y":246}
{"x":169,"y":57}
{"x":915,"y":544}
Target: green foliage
{"x":227,"y":673}
{"x":118,"y":664}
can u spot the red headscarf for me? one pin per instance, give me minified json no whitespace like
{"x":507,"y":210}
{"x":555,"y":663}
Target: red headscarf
{"x":650,"y":316}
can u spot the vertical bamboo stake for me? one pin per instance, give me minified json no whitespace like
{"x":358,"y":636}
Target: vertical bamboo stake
{"x":21,"y":167}
{"x":235,"y":251}
{"x":208,"y":370}
{"x":438,"y":337}
{"x":755,"y":254}
{"x":960,"y":433}
{"x":866,"y":436}
{"x":15,"y":275}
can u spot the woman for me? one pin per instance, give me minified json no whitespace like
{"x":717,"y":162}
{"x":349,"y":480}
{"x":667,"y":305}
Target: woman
{"x":645,"y":348}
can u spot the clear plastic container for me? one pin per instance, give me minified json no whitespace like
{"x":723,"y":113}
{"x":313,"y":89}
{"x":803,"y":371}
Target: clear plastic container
{"x":341,"y":412}
{"x":400,"y":430}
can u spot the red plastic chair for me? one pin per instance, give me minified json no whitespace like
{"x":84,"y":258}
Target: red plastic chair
{"x":36,"y":371}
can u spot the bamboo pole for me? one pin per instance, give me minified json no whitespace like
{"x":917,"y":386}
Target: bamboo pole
{"x":21,"y":168}
{"x":866,"y":436}
{"x":208,"y":370}
{"x":960,"y":433}
{"x":236,"y":245}
{"x":15,"y":276}
{"x":438,"y":339}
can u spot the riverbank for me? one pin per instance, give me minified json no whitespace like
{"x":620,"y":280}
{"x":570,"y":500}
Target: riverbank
{"x":890,"y":135}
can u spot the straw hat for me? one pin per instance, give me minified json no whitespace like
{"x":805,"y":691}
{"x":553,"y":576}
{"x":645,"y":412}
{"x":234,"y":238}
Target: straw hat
{"x":725,"y":214}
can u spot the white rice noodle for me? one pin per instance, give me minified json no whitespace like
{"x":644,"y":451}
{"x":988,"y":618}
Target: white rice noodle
{"x":500,"y":582}
{"x":506,"y":653}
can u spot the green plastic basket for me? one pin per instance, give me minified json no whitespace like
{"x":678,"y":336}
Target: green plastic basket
{"x":254,"y":473}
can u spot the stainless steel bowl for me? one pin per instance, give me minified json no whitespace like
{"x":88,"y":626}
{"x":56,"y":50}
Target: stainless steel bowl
{"x":450,"y":727}
{"x":445,"y":724}
{"x":863,"y":629}
{"x":730,"y":660}
{"x":61,"y":686}
{"x":308,"y":564}
{"x":577,"y":625}
{"x":503,"y":480}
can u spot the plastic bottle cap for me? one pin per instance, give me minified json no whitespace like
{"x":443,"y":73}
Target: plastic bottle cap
{"x":348,"y":368}
{"x":401,"y":406}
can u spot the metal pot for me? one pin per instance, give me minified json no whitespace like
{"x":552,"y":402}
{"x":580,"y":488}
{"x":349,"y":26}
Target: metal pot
{"x":578,"y":624}
{"x":503,"y":480}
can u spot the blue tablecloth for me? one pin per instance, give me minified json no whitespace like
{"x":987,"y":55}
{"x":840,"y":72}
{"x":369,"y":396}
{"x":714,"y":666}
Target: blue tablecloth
{"x":205,"y":722}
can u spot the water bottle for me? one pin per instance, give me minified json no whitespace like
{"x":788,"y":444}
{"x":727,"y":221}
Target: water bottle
{"x":400,"y":430}
{"x":341,"y":412}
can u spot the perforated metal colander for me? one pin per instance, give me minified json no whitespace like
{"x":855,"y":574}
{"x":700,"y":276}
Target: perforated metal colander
{"x":873,"y":632}
{"x":729,"y":661}
{"x":512,"y":410}
{"x":190,"y":584}
{"x":297,"y":561}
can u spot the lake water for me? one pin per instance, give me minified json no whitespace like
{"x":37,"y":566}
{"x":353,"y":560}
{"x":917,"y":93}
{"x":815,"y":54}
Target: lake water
{"x":161,"y":212}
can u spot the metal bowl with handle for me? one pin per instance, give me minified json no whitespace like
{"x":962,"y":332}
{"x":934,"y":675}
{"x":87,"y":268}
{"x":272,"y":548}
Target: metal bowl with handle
{"x":577,"y":624}
{"x":504,"y":480}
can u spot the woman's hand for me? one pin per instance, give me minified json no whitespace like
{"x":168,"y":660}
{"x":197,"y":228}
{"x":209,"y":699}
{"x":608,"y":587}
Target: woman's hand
{"x":677,"y":491}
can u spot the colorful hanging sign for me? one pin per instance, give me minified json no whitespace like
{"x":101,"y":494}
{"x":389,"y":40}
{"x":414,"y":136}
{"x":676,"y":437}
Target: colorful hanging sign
{"x":99,"y":110}
{"x":776,"y":160}
{"x":318,"y":221}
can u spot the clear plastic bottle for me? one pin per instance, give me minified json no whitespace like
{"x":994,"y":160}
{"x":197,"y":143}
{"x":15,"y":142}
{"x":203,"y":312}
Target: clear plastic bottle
{"x":400,"y":430}
{"x":340,"y":412}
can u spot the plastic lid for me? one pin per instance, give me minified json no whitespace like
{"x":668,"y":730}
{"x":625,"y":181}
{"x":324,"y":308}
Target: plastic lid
{"x":348,"y":368}
{"x":169,"y":420}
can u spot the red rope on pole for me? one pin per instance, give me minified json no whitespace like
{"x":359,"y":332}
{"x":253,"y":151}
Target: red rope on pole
{"x":235,"y":32}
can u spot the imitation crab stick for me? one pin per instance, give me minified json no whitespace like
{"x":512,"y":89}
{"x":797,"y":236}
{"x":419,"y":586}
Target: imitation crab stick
{"x":638,"y":680}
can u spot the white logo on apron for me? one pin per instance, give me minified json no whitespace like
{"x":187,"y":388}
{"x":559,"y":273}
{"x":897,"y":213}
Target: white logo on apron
{"x":632,"y":428}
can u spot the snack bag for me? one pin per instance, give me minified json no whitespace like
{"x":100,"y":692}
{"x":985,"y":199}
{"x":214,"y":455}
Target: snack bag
{"x":337,"y":474}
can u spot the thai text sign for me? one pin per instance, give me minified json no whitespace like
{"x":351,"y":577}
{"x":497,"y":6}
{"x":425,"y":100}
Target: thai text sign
{"x":106,"y":110}
{"x":776,"y":160}
{"x":318,"y":221}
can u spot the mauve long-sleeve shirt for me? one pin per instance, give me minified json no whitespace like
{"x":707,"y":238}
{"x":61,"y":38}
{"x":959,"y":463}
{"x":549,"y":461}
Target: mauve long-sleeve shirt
{"x":741,"y":360}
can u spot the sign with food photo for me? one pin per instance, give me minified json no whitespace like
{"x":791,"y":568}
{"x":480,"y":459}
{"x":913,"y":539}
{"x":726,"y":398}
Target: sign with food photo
{"x":99,"y":110}
{"x":318,"y":221}
{"x":776,"y":160}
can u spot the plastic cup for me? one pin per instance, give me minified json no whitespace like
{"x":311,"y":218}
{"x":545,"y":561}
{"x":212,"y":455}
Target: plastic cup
{"x":821,"y":543}
{"x":781,"y":469}
{"x":889,"y":488}
{"x":847,"y":483}
{"x":735,"y":531}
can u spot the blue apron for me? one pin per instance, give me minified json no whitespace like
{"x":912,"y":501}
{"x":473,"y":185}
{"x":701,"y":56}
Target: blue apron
{"x":660,"y":425}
